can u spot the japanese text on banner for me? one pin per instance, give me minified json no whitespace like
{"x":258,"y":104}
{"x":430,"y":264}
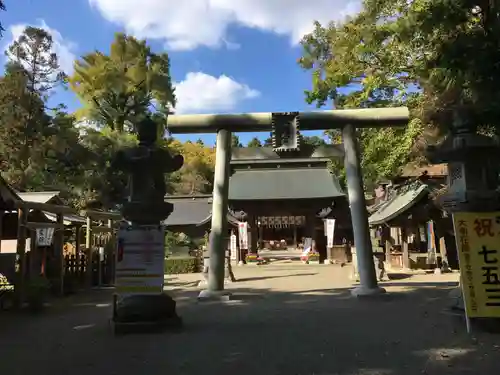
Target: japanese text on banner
{"x":478,"y":243}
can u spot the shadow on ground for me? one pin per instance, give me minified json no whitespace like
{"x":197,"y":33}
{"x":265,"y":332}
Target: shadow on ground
{"x":263,"y":331}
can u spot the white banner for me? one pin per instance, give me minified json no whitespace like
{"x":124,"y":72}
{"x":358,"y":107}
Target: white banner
{"x":243,"y":234}
{"x":232,"y":246}
{"x":44,"y":236}
{"x":330,"y":230}
{"x":140,"y":260}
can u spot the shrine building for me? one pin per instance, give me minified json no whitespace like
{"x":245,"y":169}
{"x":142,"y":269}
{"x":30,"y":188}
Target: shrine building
{"x":284,"y":196}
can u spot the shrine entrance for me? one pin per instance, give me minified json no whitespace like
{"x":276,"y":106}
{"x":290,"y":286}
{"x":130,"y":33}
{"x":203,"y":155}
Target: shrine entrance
{"x":280,"y":232}
{"x":286,"y":136}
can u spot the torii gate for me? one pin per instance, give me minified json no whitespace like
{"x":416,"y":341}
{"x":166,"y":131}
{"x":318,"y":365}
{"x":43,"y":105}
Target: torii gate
{"x":285,"y":128}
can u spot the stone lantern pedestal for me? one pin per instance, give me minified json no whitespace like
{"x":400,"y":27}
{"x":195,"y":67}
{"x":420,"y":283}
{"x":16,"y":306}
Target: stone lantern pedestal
{"x":146,"y":165}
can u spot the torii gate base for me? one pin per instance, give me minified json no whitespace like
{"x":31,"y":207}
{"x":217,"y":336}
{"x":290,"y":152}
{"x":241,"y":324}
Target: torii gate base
{"x":347,"y":120}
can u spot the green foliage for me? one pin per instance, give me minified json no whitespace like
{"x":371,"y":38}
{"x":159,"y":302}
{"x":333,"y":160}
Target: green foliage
{"x":173,"y":239}
{"x":314,"y":141}
{"x":449,"y":50}
{"x":118,"y":89}
{"x":2,"y":7}
{"x":254,"y":142}
{"x":235,"y":141}
{"x":33,"y":141}
{"x":363,"y":63}
{"x":33,"y":52}
{"x":101,"y":186}
{"x":197,"y":173}
{"x":178,"y":265}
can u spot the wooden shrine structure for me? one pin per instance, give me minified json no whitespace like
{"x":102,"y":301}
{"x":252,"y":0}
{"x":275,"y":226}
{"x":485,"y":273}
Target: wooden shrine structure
{"x":22,"y":214}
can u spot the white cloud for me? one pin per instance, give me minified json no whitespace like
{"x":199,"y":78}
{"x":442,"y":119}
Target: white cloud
{"x":188,"y":24}
{"x":62,"y":47}
{"x":200,"y":92}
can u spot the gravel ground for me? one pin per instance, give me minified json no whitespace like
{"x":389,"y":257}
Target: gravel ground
{"x":288,"y":319}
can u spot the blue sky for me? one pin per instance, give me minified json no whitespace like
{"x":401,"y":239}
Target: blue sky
{"x":227,"y":56}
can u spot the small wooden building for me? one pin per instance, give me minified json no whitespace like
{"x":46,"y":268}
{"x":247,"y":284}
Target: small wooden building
{"x":408,"y":225}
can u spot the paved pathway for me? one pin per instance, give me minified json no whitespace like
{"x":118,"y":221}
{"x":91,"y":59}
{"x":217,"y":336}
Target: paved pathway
{"x":288,"y":319}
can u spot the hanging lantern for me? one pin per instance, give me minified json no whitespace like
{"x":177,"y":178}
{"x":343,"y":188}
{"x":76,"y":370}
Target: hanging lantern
{"x":277,"y":222}
{"x":271,"y":221}
{"x":284,"y":221}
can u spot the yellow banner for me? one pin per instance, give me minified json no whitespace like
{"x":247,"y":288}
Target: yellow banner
{"x":477,"y":236}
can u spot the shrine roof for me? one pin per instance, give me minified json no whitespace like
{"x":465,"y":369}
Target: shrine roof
{"x":191,"y":210}
{"x":401,"y":201}
{"x":283,"y":183}
{"x":51,"y":197}
{"x":266,"y":155}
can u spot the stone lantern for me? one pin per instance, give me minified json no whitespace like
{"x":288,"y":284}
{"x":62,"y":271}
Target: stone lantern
{"x":473,"y":169}
{"x":146,"y":164}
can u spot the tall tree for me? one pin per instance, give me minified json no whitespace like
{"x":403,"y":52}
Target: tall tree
{"x":254,"y":142}
{"x":314,"y":141}
{"x":354,"y":64}
{"x":268,"y":142}
{"x":196,"y":175}
{"x":33,"y":51}
{"x":235,"y":141}
{"x":2,"y":7}
{"x":37,"y":148}
{"x":27,"y":131}
{"x":119,"y":88}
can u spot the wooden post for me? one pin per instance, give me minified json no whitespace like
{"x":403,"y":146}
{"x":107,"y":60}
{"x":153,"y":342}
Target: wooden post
{"x":58,"y":248}
{"x":20,"y":257}
{"x":254,"y":237}
{"x":111,"y":254}
{"x":2,"y":212}
{"x":34,"y":270}
{"x":88,"y":250}
{"x":78,"y":255}
{"x":404,"y":248}
{"x":77,"y":241}
{"x":388,"y":256}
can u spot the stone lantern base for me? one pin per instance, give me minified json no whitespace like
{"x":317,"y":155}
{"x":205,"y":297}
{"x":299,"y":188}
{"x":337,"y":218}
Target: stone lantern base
{"x":140,"y":313}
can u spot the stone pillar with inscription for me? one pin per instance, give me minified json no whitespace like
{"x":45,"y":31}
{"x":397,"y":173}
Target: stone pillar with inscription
{"x":473,"y":181}
{"x":146,"y":165}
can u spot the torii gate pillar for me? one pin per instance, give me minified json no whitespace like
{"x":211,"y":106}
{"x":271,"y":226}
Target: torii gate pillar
{"x":359,"y":216}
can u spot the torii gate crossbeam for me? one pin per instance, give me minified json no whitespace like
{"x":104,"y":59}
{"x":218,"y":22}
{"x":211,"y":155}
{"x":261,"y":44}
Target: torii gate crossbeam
{"x":347,"y":120}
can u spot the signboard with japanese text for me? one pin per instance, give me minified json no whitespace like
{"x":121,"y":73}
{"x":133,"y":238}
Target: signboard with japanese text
{"x":140,"y":260}
{"x":44,"y":236}
{"x":478,"y":243}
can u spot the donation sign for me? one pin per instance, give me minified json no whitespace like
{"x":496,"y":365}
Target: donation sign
{"x":478,"y":243}
{"x":140,"y":260}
